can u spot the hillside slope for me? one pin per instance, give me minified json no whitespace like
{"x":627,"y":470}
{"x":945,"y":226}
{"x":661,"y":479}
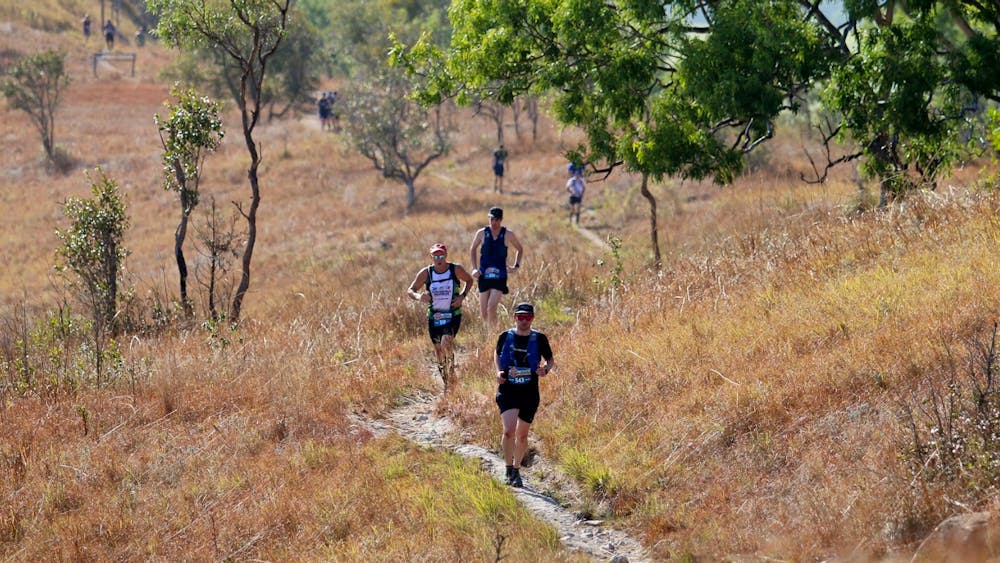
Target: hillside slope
{"x":748,"y":401}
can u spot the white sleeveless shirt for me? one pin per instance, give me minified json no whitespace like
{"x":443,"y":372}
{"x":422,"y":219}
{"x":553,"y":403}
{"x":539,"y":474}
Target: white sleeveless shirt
{"x":442,"y":288}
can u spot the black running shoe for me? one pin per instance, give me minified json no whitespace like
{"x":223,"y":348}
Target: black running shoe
{"x":515,"y":479}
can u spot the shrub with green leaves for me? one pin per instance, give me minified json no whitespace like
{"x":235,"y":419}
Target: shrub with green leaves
{"x":92,"y":248}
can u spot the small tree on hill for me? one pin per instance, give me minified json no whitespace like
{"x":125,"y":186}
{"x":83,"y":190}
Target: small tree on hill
{"x":190,"y":131}
{"x":34,"y":85}
{"x":398,"y":135}
{"x":246,"y":33}
{"x":92,"y":248}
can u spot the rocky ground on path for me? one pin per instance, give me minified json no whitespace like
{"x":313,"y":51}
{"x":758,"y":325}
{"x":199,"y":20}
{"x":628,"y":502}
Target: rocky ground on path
{"x":415,"y":419}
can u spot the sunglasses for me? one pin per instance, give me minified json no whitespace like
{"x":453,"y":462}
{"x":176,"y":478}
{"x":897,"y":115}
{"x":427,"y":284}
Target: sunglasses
{"x":437,"y":256}
{"x":524,"y":317}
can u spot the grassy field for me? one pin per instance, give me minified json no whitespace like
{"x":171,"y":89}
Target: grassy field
{"x":749,"y":400}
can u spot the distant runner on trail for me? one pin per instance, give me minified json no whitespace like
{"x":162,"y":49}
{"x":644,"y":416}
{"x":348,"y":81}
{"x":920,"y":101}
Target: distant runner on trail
{"x":325,"y":107}
{"x":109,"y":34}
{"x":518,"y":356}
{"x":437,"y":285}
{"x":499,"y":161}
{"x":575,"y":186}
{"x":489,"y":251}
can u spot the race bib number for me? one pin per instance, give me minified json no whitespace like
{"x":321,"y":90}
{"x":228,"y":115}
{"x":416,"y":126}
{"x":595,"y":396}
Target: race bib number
{"x":492,"y":273}
{"x":441,"y":319}
{"x":519,"y":376}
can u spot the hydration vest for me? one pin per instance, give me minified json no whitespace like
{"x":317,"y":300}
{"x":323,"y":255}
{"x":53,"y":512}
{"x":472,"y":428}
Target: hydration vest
{"x":507,"y":359}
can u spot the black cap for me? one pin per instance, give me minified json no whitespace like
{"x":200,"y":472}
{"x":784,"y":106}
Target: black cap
{"x":496,"y":213}
{"x":524,"y":308}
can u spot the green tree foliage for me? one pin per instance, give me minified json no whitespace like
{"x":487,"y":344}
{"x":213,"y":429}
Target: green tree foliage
{"x":297,"y":64}
{"x":317,"y":12}
{"x":92,"y":248}
{"x":34,"y":85}
{"x":292,"y":77}
{"x":247,"y":34}
{"x":655,"y":93}
{"x":191,"y":129}
{"x":359,"y":30}
{"x":908,"y":87}
{"x":688,"y":88}
{"x":398,"y":135}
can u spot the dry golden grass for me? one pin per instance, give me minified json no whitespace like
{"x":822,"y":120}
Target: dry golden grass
{"x":744,"y":401}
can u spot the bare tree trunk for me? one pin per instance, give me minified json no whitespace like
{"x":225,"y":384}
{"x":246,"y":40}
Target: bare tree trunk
{"x":213,"y":264}
{"x":250,"y":116}
{"x":531,"y":106}
{"x":411,"y":192}
{"x":48,"y":143}
{"x":179,"y":235}
{"x":251,"y":218}
{"x":653,"y":230}
{"x":516,"y":109}
{"x":883,"y":149}
{"x":263,"y":36}
{"x":498,"y":120}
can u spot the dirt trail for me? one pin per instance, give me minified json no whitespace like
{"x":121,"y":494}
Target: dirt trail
{"x":592,"y":237}
{"x":587,"y":233}
{"x":416,"y":420}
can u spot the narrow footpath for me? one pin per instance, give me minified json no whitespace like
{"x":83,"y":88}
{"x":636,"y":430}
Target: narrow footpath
{"x":415,"y":420}
{"x":593,"y":238}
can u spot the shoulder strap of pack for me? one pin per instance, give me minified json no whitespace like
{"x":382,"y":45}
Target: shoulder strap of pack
{"x":508,"y":344}
{"x":534,"y":354}
{"x":430,"y":271}
{"x":505,"y":350}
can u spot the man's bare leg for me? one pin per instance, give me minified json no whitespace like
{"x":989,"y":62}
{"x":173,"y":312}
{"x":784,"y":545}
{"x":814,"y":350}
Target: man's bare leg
{"x":489,"y":300}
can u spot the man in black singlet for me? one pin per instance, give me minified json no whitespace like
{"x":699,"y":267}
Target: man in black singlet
{"x":489,"y":258}
{"x":518,"y":355}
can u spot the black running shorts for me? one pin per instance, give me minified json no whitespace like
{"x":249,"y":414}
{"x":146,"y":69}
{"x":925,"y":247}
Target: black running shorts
{"x":496,"y":283}
{"x":525,"y":400}
{"x":436,"y":332}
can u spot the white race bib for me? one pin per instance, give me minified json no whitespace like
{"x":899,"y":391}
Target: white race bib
{"x":441,"y":318}
{"x":519,"y":376}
